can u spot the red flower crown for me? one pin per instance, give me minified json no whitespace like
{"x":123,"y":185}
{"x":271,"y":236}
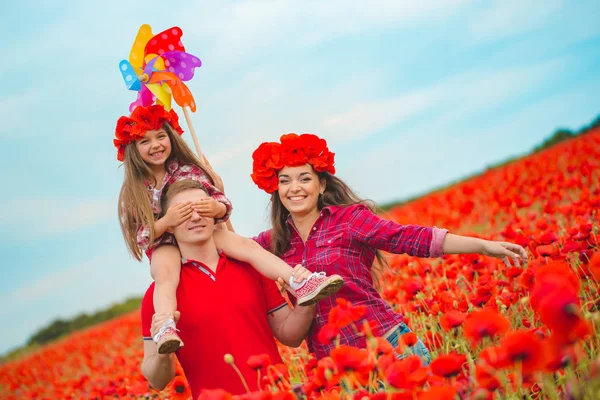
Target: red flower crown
{"x":142,"y":119}
{"x":293,"y":151}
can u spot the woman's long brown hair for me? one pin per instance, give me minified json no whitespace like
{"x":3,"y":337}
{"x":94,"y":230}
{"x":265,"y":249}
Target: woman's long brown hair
{"x":135,"y":204}
{"x":336,"y":193}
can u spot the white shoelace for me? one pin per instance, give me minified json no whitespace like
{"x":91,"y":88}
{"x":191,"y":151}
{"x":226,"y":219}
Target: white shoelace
{"x":163,"y":329}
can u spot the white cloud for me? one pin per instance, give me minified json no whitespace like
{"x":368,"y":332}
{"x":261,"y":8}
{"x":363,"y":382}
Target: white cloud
{"x":36,"y":216}
{"x":369,"y":117}
{"x":246,"y":27}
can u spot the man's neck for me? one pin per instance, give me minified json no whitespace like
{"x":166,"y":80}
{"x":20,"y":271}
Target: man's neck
{"x":205,"y":252}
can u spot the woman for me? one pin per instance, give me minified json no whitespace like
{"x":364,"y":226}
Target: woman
{"x":319,"y":222}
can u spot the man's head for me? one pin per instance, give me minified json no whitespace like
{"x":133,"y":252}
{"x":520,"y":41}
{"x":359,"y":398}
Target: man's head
{"x":195,"y":230}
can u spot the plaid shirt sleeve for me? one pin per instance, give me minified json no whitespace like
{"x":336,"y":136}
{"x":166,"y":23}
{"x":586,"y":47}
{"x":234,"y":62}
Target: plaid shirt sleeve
{"x":143,"y":237}
{"x":187,"y":171}
{"x":368,"y":228}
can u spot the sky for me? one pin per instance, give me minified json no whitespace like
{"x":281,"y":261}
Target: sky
{"x":409,"y":95}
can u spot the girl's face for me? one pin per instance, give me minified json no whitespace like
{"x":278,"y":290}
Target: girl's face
{"x":299,"y":189}
{"x":155,"y":147}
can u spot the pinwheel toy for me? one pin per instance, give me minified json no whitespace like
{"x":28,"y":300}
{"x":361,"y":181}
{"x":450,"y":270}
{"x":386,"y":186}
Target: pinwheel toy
{"x":157,"y":67}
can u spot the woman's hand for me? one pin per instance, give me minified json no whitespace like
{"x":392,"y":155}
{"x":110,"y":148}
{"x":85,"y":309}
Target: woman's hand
{"x":505,"y":251}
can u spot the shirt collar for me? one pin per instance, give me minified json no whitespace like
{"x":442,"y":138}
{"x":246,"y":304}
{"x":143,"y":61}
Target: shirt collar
{"x":172,"y":166}
{"x":187,"y":262}
{"x":327,"y":210}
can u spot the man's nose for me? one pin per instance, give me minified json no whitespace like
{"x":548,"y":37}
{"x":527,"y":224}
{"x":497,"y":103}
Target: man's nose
{"x":195,"y":216}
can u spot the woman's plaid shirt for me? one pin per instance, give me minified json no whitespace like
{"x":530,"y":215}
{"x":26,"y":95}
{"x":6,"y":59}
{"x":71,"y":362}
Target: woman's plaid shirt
{"x":343,"y":241}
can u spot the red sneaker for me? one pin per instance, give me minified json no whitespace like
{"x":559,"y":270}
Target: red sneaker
{"x":317,"y":287}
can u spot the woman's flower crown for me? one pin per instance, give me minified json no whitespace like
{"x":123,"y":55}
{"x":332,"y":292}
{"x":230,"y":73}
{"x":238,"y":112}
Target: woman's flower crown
{"x":293,"y":151}
{"x":142,"y":119}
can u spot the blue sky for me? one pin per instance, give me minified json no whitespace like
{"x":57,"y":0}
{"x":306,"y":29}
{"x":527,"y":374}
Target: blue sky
{"x":410,"y":95}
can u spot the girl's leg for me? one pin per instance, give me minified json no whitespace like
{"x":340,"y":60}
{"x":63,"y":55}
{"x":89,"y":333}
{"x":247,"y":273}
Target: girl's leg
{"x":165,"y":268}
{"x":307,"y":291}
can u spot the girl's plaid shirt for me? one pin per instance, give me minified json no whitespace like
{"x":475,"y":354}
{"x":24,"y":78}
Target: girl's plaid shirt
{"x":177,"y":172}
{"x":343,"y":241}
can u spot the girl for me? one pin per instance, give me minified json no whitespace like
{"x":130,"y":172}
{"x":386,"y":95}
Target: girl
{"x":319,"y":221}
{"x":154,"y":155}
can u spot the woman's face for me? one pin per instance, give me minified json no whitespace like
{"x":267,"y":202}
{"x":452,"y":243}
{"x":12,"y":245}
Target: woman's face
{"x":154,"y":147}
{"x":299,"y":189}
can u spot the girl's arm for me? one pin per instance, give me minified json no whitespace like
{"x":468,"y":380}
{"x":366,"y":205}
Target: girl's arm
{"x":247,"y":250}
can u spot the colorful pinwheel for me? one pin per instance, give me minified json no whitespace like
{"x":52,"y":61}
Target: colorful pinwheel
{"x":157,"y":67}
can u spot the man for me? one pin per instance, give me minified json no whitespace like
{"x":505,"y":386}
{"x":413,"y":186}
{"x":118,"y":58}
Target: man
{"x":226,"y":308}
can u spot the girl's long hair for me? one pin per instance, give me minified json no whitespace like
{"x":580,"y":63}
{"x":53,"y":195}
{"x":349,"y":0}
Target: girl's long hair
{"x":135,"y":203}
{"x":336,"y":193}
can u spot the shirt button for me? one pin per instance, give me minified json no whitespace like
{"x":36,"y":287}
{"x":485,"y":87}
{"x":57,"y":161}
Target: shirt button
{"x":329,"y":241}
{"x":315,"y":228}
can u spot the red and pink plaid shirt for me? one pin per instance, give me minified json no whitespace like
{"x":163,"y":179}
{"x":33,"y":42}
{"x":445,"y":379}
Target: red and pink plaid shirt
{"x":177,"y":172}
{"x":343,"y":241}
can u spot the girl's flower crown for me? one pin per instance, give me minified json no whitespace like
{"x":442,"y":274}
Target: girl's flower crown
{"x":142,"y":119}
{"x":293,"y":151}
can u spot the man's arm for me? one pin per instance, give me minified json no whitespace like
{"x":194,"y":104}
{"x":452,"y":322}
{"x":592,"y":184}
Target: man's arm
{"x":158,"y":369}
{"x":289,"y":326}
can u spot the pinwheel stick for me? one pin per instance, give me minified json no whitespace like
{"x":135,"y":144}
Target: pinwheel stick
{"x":192,"y":131}
{"x":209,"y":168}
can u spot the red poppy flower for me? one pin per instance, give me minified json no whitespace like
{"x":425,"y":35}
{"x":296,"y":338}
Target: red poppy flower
{"x":407,"y":373}
{"x":383,"y":346}
{"x":524,"y":349}
{"x":328,"y":333}
{"x":485,"y":323}
{"x":448,"y":365}
{"x":349,"y":358}
{"x":259,"y":362}
{"x":452,"y":319}
{"x":439,"y":393}
{"x":484,"y":374}
{"x":409,"y":339}
{"x":345,"y":313}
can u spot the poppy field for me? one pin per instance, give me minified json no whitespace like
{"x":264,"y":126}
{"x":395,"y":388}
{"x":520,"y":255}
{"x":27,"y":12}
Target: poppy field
{"x":495,"y":332}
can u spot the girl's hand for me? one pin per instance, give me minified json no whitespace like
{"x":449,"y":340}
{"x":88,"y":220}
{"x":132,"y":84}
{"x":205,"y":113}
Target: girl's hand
{"x":504,"y":251}
{"x":207,"y":207}
{"x":298,"y":275}
{"x":159,"y":319}
{"x":178,"y":213}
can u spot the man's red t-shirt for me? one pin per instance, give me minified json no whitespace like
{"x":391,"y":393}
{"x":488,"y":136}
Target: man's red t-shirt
{"x":221,"y":313}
